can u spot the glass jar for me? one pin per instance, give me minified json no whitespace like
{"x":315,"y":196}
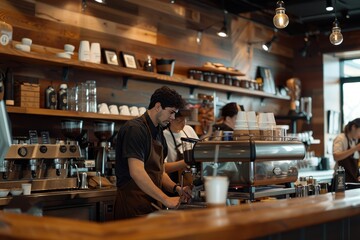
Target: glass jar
{"x":206,"y":114}
{"x":6,"y":33}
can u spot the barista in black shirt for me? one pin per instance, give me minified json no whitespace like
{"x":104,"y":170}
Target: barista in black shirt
{"x":140,"y":152}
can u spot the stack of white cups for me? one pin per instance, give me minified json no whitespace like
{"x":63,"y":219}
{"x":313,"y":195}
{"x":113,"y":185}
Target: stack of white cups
{"x":241,"y":126}
{"x":266,"y":122}
{"x":253,"y":124}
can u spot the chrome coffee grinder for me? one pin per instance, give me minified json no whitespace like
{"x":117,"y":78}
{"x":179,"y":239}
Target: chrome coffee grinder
{"x":103,"y":131}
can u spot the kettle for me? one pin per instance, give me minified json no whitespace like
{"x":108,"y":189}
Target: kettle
{"x":165,"y":66}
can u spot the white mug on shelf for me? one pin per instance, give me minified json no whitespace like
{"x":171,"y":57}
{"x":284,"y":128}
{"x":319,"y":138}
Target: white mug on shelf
{"x":124,"y":110}
{"x":84,"y":51}
{"x":114,"y":109}
{"x":103,"y":108}
{"x":134,"y":111}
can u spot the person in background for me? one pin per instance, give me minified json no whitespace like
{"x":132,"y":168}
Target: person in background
{"x":173,"y":134}
{"x":140,"y":152}
{"x":346,"y":149}
{"x":228,"y":117}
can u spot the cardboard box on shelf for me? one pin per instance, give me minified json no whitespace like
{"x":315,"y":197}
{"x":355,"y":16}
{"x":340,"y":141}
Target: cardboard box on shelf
{"x":27,"y":95}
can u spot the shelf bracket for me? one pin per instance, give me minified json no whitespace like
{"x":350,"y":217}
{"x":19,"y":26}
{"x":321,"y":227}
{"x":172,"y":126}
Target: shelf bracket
{"x":125,"y":82}
{"x":191,"y":88}
{"x":65,"y":73}
{"x":228,"y":95}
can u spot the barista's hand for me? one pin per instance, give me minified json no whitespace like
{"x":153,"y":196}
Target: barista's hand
{"x":172,"y":202}
{"x":185,"y":194}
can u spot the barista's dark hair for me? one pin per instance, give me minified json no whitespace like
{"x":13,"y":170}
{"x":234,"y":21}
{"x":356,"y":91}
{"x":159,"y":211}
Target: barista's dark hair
{"x":167,"y":98}
{"x":355,"y":122}
{"x":229,"y":110}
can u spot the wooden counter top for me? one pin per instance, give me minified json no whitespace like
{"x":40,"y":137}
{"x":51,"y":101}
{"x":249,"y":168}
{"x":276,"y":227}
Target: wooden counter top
{"x":244,"y":221}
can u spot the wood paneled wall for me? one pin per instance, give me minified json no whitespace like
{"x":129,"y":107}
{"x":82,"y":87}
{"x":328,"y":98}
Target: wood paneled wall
{"x":153,"y":27}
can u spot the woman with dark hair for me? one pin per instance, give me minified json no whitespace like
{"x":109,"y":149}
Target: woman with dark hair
{"x":346,"y":149}
{"x":228,"y":117}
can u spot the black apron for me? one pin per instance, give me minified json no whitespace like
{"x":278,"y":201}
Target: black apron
{"x":131,"y":201}
{"x":351,"y":167}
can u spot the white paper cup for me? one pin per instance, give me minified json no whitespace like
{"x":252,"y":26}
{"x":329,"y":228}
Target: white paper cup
{"x":216,"y":188}
{"x":26,"y":188}
{"x":69,"y":48}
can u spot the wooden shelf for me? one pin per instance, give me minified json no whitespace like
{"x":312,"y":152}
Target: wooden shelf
{"x":221,"y":71}
{"x":67,"y":114}
{"x":46,"y":56}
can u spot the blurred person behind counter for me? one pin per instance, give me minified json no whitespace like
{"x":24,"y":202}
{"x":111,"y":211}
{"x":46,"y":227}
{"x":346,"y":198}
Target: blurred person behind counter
{"x":346,"y":149}
{"x":140,"y":152}
{"x":177,"y":129}
{"x":228,"y":117}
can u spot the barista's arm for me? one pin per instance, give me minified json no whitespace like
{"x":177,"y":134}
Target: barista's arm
{"x":175,"y":166}
{"x":144,"y":182}
{"x":341,"y":155}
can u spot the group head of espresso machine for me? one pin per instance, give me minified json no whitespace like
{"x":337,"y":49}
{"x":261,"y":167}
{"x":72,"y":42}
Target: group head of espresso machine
{"x":46,"y":166}
{"x":249,"y":164}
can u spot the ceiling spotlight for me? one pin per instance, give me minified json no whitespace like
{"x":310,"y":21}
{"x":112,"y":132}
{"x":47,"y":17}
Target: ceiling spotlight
{"x":336,"y":38}
{"x":223,"y":31}
{"x":281,"y":20}
{"x":100,"y":1}
{"x":172,"y":1}
{"x":329,"y":6}
{"x":267,"y":46}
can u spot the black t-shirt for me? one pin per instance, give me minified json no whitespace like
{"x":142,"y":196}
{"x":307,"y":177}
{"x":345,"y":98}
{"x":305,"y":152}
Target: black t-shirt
{"x":222,"y":127}
{"x":133,"y":141}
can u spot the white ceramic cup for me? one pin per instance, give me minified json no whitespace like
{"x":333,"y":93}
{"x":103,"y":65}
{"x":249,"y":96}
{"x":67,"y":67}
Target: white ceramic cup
{"x":69,"y":48}
{"x":114,"y":109}
{"x":26,"y":41}
{"x":103,"y":108}
{"x":124,"y":110}
{"x":142,"y":110}
{"x":95,"y":53}
{"x":216,"y":188}
{"x":134,"y":111}
{"x":84,"y":51}
{"x":26,"y":188}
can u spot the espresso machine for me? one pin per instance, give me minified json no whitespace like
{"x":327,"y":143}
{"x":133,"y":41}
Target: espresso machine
{"x":255,"y":168}
{"x":103,"y":154}
{"x":44,"y":165}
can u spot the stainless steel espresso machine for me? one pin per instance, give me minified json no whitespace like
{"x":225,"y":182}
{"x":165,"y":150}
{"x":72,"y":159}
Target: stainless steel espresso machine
{"x":44,"y":165}
{"x":255,"y":168}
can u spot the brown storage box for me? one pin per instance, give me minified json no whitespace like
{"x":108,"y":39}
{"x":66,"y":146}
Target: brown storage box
{"x":27,"y":95}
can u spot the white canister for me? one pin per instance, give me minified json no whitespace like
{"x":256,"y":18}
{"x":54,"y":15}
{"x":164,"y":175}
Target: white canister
{"x":84,"y":51}
{"x":95,"y":53}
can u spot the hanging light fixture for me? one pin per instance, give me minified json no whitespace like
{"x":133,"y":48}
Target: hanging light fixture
{"x":223,"y":31}
{"x":336,"y":38}
{"x":267,"y":46}
{"x":329,"y":6}
{"x":281,"y":20}
{"x":199,"y":37}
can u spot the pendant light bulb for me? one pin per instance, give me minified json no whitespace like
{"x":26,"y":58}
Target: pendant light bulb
{"x":336,"y":38}
{"x":281,"y":20}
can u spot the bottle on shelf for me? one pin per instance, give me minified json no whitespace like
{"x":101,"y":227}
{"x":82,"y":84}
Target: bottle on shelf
{"x":50,"y":98}
{"x":62,"y":96}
